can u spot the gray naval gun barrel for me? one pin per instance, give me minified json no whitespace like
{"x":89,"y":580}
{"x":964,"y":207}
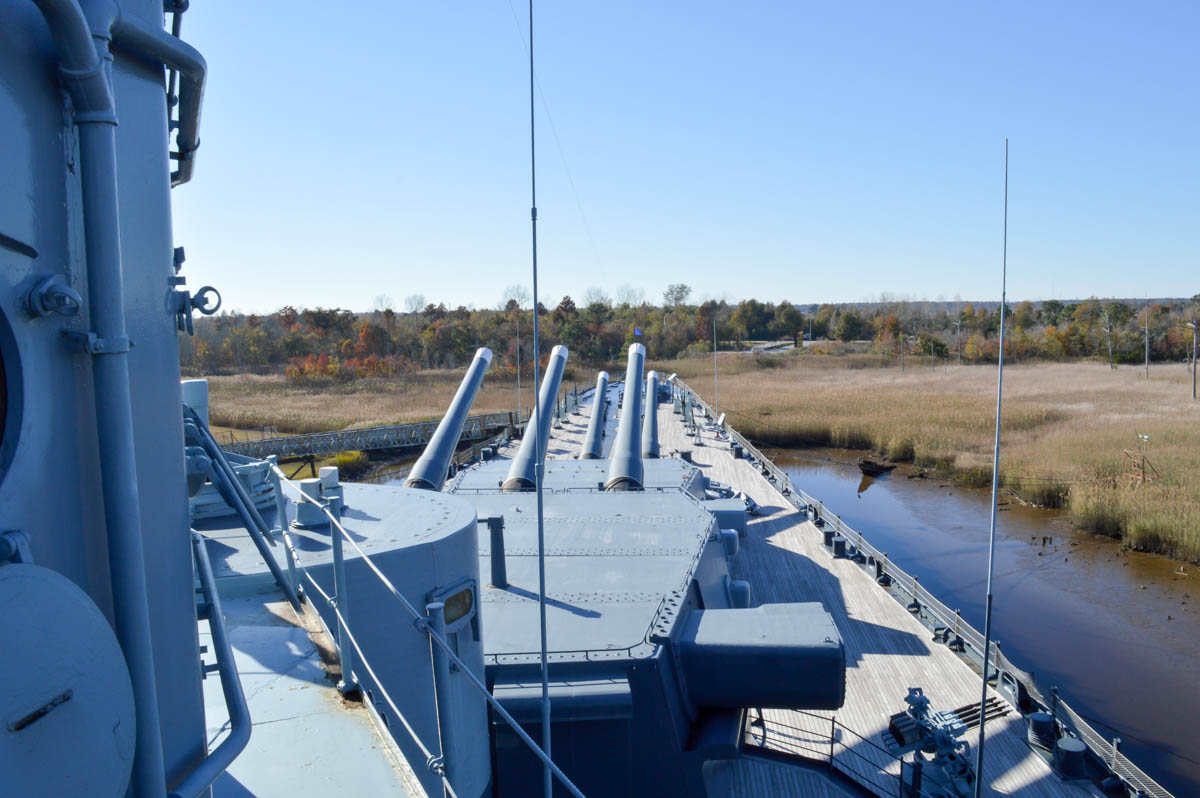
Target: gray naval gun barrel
{"x":650,"y":420}
{"x":430,"y":471}
{"x":521,"y":473}
{"x":593,"y":442}
{"x":625,"y":462}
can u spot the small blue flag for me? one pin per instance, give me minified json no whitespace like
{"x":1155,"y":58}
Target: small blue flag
{"x":637,"y":331}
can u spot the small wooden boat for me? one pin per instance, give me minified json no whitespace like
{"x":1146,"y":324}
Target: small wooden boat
{"x":872,"y":468}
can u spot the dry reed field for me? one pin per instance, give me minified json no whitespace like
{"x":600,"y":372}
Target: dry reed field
{"x":1066,"y":425}
{"x":248,"y":401}
{"x":1065,"y":429}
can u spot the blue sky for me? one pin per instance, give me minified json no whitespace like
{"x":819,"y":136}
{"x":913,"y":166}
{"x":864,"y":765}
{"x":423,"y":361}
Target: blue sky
{"x":808,"y":151}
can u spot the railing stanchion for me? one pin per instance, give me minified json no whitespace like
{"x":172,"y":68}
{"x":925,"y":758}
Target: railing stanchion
{"x":281,"y":523}
{"x":341,"y":600}
{"x":436,"y":618}
{"x":832,"y":737}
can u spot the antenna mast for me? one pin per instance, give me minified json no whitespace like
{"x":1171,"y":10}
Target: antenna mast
{"x":987,"y":612}
{"x":539,"y":470}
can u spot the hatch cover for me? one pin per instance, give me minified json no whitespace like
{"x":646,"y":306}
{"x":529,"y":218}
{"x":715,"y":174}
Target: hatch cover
{"x":66,"y":702}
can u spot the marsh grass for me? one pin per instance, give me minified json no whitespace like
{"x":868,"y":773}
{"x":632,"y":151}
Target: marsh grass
{"x":1064,"y":432}
{"x":351,"y":464}
{"x":248,"y":401}
{"x":1065,"y":429}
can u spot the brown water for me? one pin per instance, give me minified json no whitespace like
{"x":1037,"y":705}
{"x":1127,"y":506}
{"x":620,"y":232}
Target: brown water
{"x":1118,"y":632}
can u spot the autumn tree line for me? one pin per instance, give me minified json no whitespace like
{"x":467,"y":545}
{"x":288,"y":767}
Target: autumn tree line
{"x":322,"y":344}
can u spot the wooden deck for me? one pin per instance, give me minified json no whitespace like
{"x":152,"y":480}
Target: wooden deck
{"x":887,"y":650}
{"x":755,"y":777}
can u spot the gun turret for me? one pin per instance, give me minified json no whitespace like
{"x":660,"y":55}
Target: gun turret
{"x":521,"y":475}
{"x":434,"y":463}
{"x":625,"y":463}
{"x":593,"y":442}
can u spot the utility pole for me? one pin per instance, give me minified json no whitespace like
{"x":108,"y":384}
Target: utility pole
{"x":958,"y":338}
{"x":901,"y":336}
{"x":1194,"y":325}
{"x":518,"y":364}
{"x":1146,"y":317}
{"x":1108,"y":331}
{"x":716,"y":388}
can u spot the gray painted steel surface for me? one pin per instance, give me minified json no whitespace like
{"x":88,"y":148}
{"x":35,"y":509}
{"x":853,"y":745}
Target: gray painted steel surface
{"x":625,"y":461}
{"x":427,"y":544}
{"x":650,"y":418}
{"x":431,"y":467}
{"x":537,"y":432}
{"x":99,"y":533}
{"x":56,"y":687}
{"x":593,"y":441}
{"x":625,"y":571}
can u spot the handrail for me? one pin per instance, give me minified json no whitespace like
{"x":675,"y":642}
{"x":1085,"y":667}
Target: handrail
{"x":219,"y":759}
{"x":421,"y":624}
{"x":908,"y":585}
{"x":433,"y":762}
{"x":829,"y":740}
{"x":234,"y":493}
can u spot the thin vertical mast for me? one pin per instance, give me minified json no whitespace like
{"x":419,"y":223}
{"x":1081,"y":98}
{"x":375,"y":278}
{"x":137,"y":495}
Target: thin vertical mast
{"x":1146,"y":319}
{"x":539,"y":466}
{"x":987,"y":612}
{"x":716,"y":387}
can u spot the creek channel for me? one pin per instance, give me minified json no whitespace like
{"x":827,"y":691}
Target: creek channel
{"x":1117,"y":632}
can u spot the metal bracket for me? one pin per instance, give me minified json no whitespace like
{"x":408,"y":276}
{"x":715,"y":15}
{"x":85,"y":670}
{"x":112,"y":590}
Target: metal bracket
{"x":185,"y":303}
{"x":95,"y":345}
{"x":53,"y":295}
{"x":14,"y":546}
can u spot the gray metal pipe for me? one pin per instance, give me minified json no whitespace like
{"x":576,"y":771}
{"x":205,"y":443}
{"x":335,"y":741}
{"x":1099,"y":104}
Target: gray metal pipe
{"x":593,"y":441}
{"x":219,"y":759}
{"x":625,"y":462}
{"x":220,"y":464}
{"x":228,"y":484}
{"x":83,"y":66}
{"x":434,"y":463}
{"x":650,"y":419}
{"x":149,"y":41}
{"x":537,"y":430}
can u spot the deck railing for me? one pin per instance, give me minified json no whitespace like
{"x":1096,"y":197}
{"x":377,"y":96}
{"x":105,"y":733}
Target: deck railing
{"x":933,"y":611}
{"x":442,"y":654}
{"x":826,"y":739}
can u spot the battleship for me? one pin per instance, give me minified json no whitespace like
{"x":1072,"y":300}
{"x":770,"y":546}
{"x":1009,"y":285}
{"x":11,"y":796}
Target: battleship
{"x":620,"y":574}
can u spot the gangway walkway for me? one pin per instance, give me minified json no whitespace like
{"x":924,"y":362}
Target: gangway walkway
{"x":393,"y":436}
